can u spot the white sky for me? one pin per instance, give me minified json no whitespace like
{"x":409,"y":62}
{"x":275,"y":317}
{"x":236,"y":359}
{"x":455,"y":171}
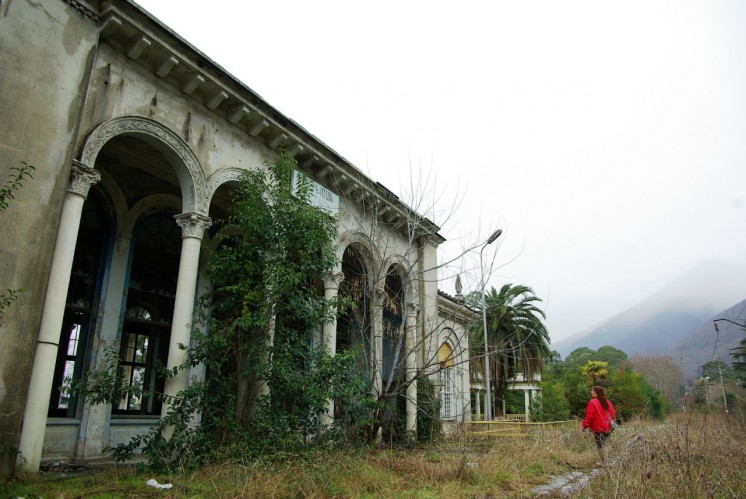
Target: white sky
{"x":607,"y":139}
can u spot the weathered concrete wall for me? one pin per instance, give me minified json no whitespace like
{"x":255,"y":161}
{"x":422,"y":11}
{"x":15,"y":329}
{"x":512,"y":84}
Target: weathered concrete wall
{"x":46,"y":49}
{"x":65,"y":81}
{"x":121,"y":88}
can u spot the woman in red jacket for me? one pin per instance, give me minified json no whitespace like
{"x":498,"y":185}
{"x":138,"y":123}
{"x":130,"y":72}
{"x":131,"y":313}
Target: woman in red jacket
{"x":598,"y":417}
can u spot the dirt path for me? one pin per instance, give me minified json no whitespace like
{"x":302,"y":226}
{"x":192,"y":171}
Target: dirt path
{"x":566,"y":484}
{"x":574,"y":481}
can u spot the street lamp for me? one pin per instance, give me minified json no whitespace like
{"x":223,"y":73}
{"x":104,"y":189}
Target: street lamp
{"x":488,"y":405}
{"x":720,"y":368}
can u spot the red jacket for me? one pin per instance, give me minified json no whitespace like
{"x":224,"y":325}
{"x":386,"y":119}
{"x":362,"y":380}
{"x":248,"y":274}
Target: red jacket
{"x":596,"y":418}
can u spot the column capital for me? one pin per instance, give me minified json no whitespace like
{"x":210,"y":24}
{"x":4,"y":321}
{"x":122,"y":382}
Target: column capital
{"x":332,"y":279}
{"x":192,"y":224}
{"x":413,"y":308}
{"x":380,"y":292}
{"x":82,"y":178}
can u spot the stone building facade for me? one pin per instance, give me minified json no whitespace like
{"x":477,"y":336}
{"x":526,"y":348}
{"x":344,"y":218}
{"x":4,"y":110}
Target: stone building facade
{"x":136,"y":137}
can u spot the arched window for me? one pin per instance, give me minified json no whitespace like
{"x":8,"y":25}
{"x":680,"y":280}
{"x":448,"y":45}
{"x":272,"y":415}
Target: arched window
{"x":393,"y":327}
{"x":80,"y":306}
{"x":150,"y":306}
{"x":447,"y":392}
{"x":353,"y":325}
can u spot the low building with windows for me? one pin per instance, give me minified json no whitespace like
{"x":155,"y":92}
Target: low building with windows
{"x":137,"y":138}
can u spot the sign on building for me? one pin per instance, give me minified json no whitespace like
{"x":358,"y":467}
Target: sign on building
{"x":321,"y":197}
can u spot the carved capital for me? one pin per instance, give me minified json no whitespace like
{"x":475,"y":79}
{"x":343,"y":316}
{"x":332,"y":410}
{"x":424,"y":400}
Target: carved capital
{"x":192,"y":224}
{"x":332,"y":280}
{"x":82,"y":178}
{"x":380,"y":292}
{"x":123,"y":243}
{"x":413,"y":309}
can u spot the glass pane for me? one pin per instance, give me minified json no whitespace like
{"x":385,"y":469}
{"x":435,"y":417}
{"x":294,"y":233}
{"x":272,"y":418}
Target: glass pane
{"x":138,"y":376}
{"x":72,"y":345}
{"x":126,"y":380}
{"x":67,"y":379}
{"x":142,"y":349}
{"x":129,"y":351}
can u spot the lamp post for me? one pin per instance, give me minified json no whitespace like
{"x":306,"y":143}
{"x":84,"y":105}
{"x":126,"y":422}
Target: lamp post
{"x":488,"y":398}
{"x":720,"y":369}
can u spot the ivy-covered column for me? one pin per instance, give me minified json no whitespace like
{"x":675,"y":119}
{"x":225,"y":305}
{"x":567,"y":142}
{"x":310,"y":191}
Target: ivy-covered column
{"x":332,"y":281}
{"x":410,"y":345}
{"x":376,"y":347}
{"x":192,"y":226}
{"x":42,"y":374}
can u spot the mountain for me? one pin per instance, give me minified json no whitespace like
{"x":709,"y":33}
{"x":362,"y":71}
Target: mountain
{"x":704,"y":344}
{"x":661,"y":321}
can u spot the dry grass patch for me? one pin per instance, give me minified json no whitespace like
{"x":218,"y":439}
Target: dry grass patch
{"x":687,"y":456}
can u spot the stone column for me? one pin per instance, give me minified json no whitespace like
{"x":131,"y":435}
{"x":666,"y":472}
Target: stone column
{"x":478,"y":404}
{"x":410,"y":347}
{"x":192,"y":226}
{"x":376,"y":347}
{"x":527,"y":403}
{"x":329,"y":332}
{"x":42,"y":374}
{"x":376,"y":340}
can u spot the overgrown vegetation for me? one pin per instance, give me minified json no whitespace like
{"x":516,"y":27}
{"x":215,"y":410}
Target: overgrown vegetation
{"x":266,"y":381}
{"x":685,"y":456}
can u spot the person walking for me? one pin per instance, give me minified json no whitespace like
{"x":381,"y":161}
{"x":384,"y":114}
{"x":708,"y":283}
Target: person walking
{"x":600,"y":417}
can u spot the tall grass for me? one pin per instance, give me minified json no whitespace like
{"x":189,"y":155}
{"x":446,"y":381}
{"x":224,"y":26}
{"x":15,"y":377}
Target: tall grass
{"x":689,"y":456}
{"x":683,"y":457}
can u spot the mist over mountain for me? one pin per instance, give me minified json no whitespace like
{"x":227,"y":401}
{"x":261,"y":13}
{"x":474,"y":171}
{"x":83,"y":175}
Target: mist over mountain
{"x":704,"y":344}
{"x":661,"y":321}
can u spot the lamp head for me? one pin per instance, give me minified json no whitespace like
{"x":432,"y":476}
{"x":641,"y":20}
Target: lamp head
{"x":494,"y":236}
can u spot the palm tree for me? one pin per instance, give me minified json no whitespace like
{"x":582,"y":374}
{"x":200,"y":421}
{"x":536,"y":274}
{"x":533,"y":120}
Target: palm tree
{"x":518,"y":340}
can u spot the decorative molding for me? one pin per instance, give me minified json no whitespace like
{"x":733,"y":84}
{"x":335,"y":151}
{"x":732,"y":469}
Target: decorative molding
{"x":238,"y":113}
{"x":277,"y":140}
{"x":307,"y":163}
{"x":82,"y":178}
{"x":258,"y":128}
{"x":166,"y":67}
{"x":216,"y":100}
{"x":123,"y":243}
{"x":195,"y":195}
{"x":138,"y":47}
{"x":219,"y":178}
{"x":192,"y":224}
{"x":295,"y":150}
{"x":192,"y":84}
{"x":333,"y":279}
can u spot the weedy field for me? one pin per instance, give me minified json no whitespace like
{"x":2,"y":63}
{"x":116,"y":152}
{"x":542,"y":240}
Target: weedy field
{"x":685,"y":456}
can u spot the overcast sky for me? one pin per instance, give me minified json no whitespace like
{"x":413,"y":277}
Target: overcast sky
{"x":608,"y":140}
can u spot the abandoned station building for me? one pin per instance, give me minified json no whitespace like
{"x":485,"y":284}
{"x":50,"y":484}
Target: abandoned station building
{"x":136,"y":138}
